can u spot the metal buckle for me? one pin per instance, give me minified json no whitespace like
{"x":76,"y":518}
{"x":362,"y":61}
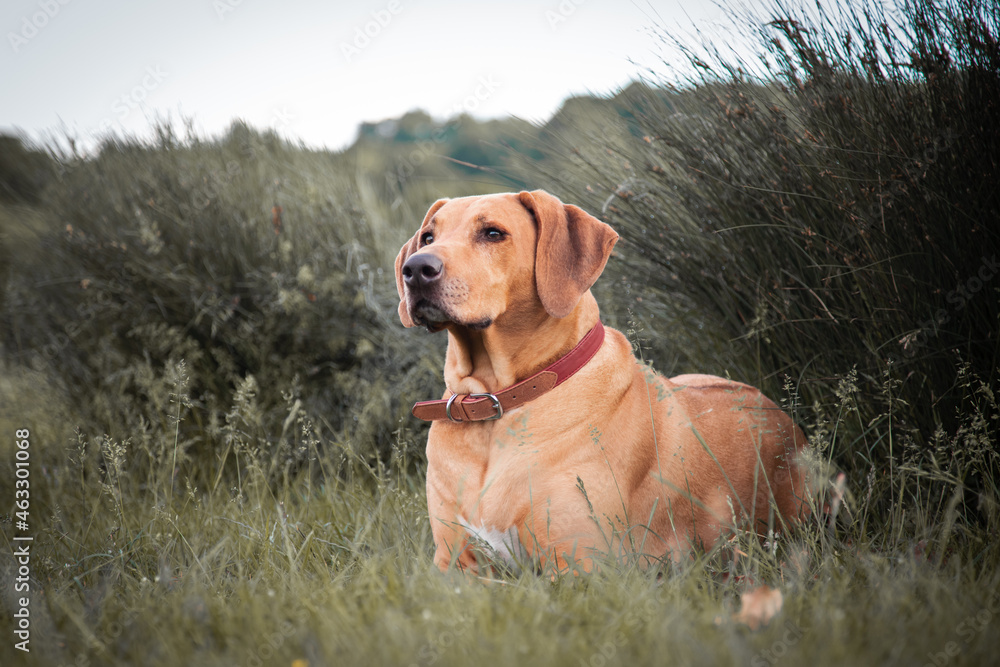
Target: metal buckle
{"x":447,"y":409}
{"x":493,"y":399}
{"x":496,"y":405}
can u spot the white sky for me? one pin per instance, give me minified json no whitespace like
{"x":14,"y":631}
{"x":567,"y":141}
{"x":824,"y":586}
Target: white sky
{"x":300,"y":67}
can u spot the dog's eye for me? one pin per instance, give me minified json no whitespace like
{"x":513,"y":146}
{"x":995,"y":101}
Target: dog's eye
{"x":426,"y":238}
{"x":493,"y":234}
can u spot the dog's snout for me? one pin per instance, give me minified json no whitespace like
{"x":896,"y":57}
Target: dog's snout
{"x":422,"y":269}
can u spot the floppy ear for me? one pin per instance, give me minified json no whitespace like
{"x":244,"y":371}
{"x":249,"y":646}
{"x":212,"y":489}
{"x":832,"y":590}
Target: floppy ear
{"x":573,"y":247}
{"x":408,"y":249}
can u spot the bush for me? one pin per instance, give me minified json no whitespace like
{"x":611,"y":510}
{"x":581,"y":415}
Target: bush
{"x":255,"y":263}
{"x":827,"y":214}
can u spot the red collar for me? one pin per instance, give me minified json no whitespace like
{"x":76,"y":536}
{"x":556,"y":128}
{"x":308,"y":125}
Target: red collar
{"x":483,"y":407}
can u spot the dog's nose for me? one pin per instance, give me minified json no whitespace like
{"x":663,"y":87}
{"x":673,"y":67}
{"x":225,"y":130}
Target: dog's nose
{"x":423,"y":269}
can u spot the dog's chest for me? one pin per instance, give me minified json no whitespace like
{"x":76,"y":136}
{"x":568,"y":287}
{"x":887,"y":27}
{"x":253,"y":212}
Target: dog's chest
{"x":514,"y":485}
{"x":494,"y":514}
{"x":504,"y":545}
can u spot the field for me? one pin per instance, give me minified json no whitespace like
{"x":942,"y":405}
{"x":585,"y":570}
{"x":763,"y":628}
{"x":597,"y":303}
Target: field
{"x":199,"y":346}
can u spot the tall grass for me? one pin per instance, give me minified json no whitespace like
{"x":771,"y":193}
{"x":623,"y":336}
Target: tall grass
{"x":335,"y":568}
{"x":823,"y":210}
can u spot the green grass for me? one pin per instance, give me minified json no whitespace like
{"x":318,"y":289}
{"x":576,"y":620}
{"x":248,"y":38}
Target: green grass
{"x":223,"y":469}
{"x":334,"y":567}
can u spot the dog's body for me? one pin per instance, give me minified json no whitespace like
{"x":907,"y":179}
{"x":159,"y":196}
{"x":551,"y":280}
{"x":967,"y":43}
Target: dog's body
{"x":615,"y":460}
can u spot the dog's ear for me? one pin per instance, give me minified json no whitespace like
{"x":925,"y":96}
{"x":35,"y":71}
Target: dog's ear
{"x":573,"y":247}
{"x":408,"y":249}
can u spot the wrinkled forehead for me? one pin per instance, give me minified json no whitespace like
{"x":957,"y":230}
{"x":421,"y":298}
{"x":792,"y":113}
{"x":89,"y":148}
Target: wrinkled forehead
{"x":499,"y":209}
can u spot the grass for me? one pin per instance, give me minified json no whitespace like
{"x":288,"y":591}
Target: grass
{"x":201,"y":337}
{"x":335,"y":568}
{"x":818,"y":211}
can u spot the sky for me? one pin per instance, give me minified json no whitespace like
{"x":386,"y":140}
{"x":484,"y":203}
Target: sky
{"x":315,"y":70}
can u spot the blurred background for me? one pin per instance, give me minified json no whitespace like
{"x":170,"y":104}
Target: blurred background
{"x":313,"y":71}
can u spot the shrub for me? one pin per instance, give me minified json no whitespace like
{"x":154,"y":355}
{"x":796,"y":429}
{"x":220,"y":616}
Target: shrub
{"x":832,"y":208}
{"x":244,"y":258}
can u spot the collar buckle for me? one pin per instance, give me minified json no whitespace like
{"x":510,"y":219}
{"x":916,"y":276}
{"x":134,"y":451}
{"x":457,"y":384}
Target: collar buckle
{"x":493,"y":399}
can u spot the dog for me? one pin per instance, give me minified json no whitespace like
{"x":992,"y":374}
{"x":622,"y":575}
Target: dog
{"x":553,"y":445}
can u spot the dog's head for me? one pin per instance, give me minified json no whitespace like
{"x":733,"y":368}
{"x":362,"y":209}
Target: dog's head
{"x":475,"y":260}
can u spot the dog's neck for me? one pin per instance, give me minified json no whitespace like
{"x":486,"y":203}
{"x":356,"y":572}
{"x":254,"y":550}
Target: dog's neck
{"x":490,"y":359}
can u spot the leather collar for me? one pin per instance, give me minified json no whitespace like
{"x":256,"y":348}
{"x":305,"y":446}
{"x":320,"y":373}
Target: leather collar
{"x":484,"y":407}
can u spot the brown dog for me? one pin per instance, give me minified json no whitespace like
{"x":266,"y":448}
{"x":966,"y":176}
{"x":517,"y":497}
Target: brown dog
{"x":553,"y":443}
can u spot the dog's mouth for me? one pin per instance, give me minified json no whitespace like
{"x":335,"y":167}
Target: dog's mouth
{"x":428,"y":314}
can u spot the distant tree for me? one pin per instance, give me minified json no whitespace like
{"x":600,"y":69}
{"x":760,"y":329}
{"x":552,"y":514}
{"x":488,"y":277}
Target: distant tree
{"x":24,"y":172}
